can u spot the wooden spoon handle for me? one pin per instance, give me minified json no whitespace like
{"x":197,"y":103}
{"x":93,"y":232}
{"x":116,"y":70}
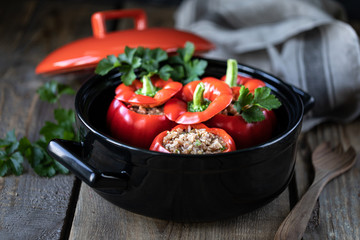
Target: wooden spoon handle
{"x":294,"y":225}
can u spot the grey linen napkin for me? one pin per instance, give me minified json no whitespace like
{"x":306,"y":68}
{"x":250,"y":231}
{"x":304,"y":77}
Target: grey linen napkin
{"x":304,"y":42}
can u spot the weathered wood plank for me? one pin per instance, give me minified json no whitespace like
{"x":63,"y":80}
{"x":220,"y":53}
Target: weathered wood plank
{"x":337,"y":213}
{"x":33,"y":207}
{"x":95,"y":218}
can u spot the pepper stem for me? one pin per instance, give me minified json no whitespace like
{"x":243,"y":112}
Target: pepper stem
{"x":198,"y":98}
{"x":231,"y":72}
{"x":199,"y":103}
{"x":148,"y":89}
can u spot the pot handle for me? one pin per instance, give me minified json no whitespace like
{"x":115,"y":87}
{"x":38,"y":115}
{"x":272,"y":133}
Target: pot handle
{"x":306,"y":98}
{"x":68,"y":154}
{"x":98,"y":20}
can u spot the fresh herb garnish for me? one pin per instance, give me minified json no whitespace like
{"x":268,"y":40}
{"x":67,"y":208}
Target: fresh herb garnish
{"x":143,"y":60}
{"x":13,"y":151}
{"x":250,"y":105}
{"x":52,"y":91}
{"x":185,"y":68}
{"x":10,"y":158}
{"x":197,"y":143}
{"x":138,"y":62}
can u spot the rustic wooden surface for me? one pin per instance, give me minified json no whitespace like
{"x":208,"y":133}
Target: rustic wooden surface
{"x":32,"y":207}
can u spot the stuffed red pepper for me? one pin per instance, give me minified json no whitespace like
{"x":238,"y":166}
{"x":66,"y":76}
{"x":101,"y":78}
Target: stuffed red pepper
{"x":198,"y":101}
{"x":193,"y":139}
{"x":249,"y":119}
{"x":135,"y":116}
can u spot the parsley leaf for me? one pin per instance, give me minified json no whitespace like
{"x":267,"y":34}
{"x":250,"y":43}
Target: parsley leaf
{"x":63,"y":128}
{"x":194,"y":69}
{"x":186,"y":69}
{"x":253,"y":114}
{"x":145,"y":61}
{"x":263,"y":98}
{"x":165,"y":71}
{"x":250,"y":105}
{"x":106,"y":65}
{"x":52,"y":91}
{"x":151,"y":61}
{"x":11,"y":159}
{"x":13,"y":152}
{"x":41,"y":161}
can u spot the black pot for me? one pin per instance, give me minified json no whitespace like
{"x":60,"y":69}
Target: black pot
{"x":184,"y":188}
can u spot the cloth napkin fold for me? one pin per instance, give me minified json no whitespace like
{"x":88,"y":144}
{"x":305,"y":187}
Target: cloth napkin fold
{"x":304,"y":42}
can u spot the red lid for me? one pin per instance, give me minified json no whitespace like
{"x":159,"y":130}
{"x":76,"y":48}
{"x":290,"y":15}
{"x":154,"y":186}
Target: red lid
{"x":87,"y":52}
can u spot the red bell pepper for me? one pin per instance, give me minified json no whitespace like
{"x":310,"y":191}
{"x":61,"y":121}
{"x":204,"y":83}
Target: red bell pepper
{"x":245,"y":134}
{"x":235,"y":80}
{"x":255,"y":127}
{"x":157,"y":144}
{"x":133,"y":128}
{"x":148,"y":93}
{"x":140,"y":129}
{"x":198,"y":101}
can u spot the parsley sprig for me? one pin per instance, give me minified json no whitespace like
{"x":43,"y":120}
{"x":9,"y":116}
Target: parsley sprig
{"x":11,"y":159}
{"x":13,"y":151}
{"x":186,"y":69}
{"x":250,"y":105}
{"x":147,"y":62}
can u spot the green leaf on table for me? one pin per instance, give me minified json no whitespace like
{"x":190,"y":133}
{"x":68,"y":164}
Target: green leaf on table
{"x":13,"y":152}
{"x":51,"y":91}
{"x":25,"y":147}
{"x":63,"y":128}
{"x":65,"y":117}
{"x":15,"y":162}
{"x":11,"y":159}
{"x":3,"y":166}
{"x":41,"y":162}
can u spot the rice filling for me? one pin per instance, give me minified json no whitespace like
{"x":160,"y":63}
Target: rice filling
{"x":193,"y":141}
{"x":147,"y":111}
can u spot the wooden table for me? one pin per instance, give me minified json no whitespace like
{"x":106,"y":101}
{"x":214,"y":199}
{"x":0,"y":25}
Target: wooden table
{"x":32,"y":207}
